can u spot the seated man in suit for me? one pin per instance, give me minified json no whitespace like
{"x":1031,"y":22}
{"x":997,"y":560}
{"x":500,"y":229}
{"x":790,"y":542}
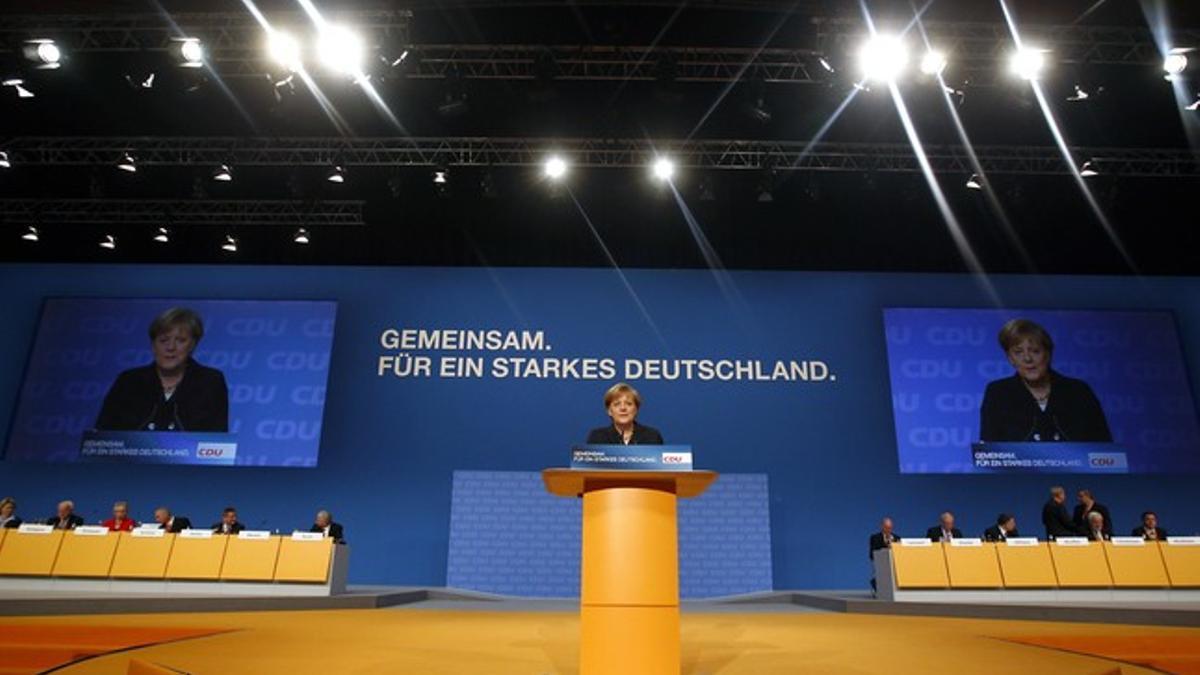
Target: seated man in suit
{"x":1086,"y":506}
{"x":1004,"y":529}
{"x":229,"y":522}
{"x":1095,"y":531}
{"x":325,"y":525}
{"x":1149,"y":529}
{"x":1054,"y":515}
{"x":946,"y":531}
{"x":65,"y":518}
{"x":169,"y":521}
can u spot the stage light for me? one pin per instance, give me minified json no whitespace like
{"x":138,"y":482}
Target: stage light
{"x":44,"y":53}
{"x":284,"y":50}
{"x":223,"y":174}
{"x":1175,"y":62}
{"x":441,"y":176}
{"x":664,"y":169}
{"x":337,"y":174}
{"x":1079,"y":95}
{"x":4,"y":161}
{"x":825,"y":64}
{"x":189,"y":52}
{"x":933,"y":63}
{"x":163,"y":235}
{"x":1027,"y":64}
{"x":31,"y":234}
{"x":127,"y":163}
{"x":108,"y":242}
{"x":974,"y":182}
{"x":301,"y":236}
{"x":555,"y":168}
{"x":882,"y":59}
{"x":230,"y":245}
{"x":1088,"y":170}
{"x":340,"y":49}
{"x":19,"y":85}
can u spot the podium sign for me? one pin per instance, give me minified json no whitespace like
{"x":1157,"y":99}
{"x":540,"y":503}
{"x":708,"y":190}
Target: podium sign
{"x":632,"y":457}
{"x":159,"y":447}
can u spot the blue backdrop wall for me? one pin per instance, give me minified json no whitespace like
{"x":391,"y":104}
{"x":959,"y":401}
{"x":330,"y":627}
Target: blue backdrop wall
{"x":390,"y":445}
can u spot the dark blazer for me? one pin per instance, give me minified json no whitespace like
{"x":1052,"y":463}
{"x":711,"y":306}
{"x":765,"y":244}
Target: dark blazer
{"x":73,"y":521}
{"x":935,"y":533}
{"x":642,"y":435}
{"x":877,"y":543}
{"x":1056,"y":520}
{"x":178,"y":525}
{"x":1104,"y":536}
{"x":135,"y":401}
{"x":13,"y":524}
{"x":1140,"y":531}
{"x":1010,"y":413}
{"x":336,"y":533}
{"x":1080,"y":517}
{"x":993,"y":533}
{"x":233,"y":529}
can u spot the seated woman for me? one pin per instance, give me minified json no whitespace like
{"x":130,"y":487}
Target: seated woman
{"x":120,"y":522}
{"x":8,"y":513}
{"x":622,"y":403}
{"x":1037,"y":403}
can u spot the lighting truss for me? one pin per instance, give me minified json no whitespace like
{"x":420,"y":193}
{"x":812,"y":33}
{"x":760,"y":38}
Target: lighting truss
{"x":240,"y":213}
{"x":589,"y":153}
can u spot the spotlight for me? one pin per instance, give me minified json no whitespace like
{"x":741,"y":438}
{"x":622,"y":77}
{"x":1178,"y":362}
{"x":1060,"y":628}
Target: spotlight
{"x":223,"y":174}
{"x":4,"y":161}
{"x":1174,"y":63}
{"x":883,"y":58}
{"x":340,"y":49}
{"x":1027,"y":64}
{"x":284,"y":50}
{"x":108,"y":242}
{"x":189,"y":52}
{"x":933,"y":63}
{"x":974,"y":182}
{"x":127,"y":163}
{"x":337,"y":174}
{"x":19,"y":85}
{"x":301,"y":236}
{"x":230,"y":245}
{"x":1079,"y":95}
{"x":45,"y":53}
{"x":555,"y":168}
{"x":441,"y":176}
{"x":1088,"y":170}
{"x":664,"y":169}
{"x":825,"y":64}
{"x":31,"y":234}
{"x":163,"y":235}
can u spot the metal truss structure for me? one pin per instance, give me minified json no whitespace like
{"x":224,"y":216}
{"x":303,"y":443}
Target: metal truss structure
{"x":235,"y":47}
{"x":393,"y":152}
{"x":168,"y":212}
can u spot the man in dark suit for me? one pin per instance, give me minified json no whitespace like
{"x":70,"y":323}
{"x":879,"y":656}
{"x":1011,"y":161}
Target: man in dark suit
{"x":1149,"y":529}
{"x":1054,"y":515}
{"x":325,"y":525}
{"x":1095,"y":530}
{"x":1004,"y":529}
{"x":229,"y":522}
{"x":946,"y":530}
{"x":65,"y":518}
{"x":884,"y":538}
{"x":1087,"y":504}
{"x":169,"y":521}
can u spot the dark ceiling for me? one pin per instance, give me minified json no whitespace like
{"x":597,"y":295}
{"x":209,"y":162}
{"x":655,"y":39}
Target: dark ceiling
{"x":816,"y":220}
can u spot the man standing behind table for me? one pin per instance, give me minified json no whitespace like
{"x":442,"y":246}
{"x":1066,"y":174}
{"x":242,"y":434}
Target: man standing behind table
{"x":946,"y":531}
{"x":1054,"y":515}
{"x":65,"y":518}
{"x":1149,"y":529}
{"x":882,"y":539}
{"x":229,"y":522}
{"x":171,"y":522}
{"x":1086,"y":506}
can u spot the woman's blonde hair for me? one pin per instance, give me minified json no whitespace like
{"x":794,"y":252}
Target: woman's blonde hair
{"x":622,"y":389}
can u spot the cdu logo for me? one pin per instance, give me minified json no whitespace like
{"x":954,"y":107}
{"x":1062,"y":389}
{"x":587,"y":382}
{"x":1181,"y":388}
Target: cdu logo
{"x":1108,"y":461}
{"x":216,"y":452}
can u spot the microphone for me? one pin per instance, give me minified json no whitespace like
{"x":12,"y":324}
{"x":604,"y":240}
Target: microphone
{"x":1058,"y":427}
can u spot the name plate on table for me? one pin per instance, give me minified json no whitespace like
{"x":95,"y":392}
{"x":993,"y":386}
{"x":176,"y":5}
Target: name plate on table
{"x":1128,"y":541}
{"x":1171,"y":541}
{"x":966,"y":542}
{"x":1072,"y":541}
{"x":307,"y":536}
{"x":254,"y":534}
{"x":32,"y":528}
{"x":1048,"y":457}
{"x":151,"y":532}
{"x":632,"y":457}
{"x":196,"y":534}
{"x":159,"y":447}
{"x":91,"y":531}
{"x":916,"y":543}
{"x":1022,"y":541}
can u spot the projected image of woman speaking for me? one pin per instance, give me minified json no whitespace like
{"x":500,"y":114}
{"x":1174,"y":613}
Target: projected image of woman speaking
{"x":174,"y":393}
{"x":1037,"y":403}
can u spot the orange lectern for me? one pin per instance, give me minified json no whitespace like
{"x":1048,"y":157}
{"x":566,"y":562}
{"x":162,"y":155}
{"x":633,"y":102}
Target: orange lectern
{"x":629,"y":590}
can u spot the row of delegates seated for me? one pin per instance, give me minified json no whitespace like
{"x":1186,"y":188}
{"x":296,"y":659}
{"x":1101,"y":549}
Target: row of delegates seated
{"x":1091,"y":519}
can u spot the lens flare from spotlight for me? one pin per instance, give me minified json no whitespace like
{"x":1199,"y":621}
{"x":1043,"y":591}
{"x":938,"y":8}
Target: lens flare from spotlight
{"x":230,"y":245}
{"x":301,"y":236}
{"x":340,"y":49}
{"x":191,"y":53}
{"x":336,"y":175}
{"x":127,"y":163}
{"x":284,"y":50}
{"x":664,"y":169}
{"x":5,"y":163}
{"x":223,"y":174}
{"x":933,"y":63}
{"x":45,"y":53}
{"x":1175,"y":63}
{"x":31,"y":234}
{"x":108,"y":242}
{"x":555,"y":168}
{"x":883,"y":59}
{"x":441,"y":177}
{"x":1028,"y":64}
{"x":162,"y":236}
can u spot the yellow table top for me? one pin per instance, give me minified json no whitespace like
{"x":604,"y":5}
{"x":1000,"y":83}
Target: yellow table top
{"x":574,"y":482}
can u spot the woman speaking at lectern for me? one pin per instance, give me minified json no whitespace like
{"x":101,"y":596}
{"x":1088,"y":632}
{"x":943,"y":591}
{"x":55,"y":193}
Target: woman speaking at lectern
{"x":622,"y":403}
